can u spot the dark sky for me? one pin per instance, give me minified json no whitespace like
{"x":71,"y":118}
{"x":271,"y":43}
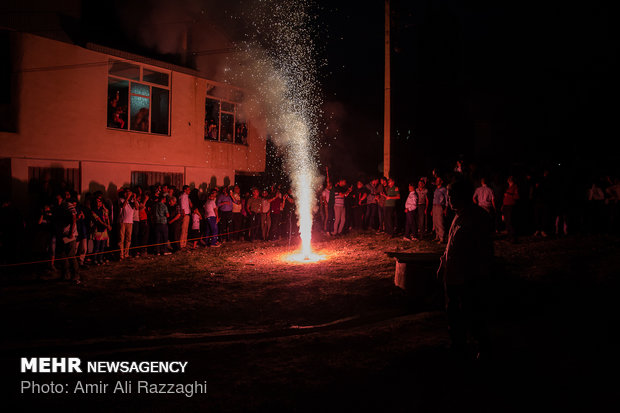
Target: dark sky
{"x":527,"y":82}
{"x":495,"y":82}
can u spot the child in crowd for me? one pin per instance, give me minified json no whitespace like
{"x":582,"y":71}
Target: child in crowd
{"x":194,"y":232}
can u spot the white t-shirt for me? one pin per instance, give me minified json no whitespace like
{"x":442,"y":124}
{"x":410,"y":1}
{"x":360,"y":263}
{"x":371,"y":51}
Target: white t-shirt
{"x":195,"y":221}
{"x":236,"y":208}
{"x":411,"y":204}
{"x":484,"y":196}
{"x":210,"y":208}
{"x":265,"y":206}
{"x":184,"y":203}
{"x":126,"y":213}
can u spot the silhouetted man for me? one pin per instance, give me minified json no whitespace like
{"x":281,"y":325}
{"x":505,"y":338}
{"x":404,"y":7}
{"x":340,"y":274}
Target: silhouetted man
{"x":465,"y":270}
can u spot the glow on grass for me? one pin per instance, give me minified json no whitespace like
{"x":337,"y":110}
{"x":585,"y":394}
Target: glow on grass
{"x":299,"y":257}
{"x":303,"y":258}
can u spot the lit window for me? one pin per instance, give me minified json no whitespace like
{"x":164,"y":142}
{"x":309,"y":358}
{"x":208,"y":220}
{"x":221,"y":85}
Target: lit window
{"x":138,"y":98}
{"x":222,"y":122}
{"x":241,"y":133}
{"x":228,"y":127}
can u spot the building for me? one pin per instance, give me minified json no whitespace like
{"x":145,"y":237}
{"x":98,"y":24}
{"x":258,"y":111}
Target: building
{"x":95,"y":118}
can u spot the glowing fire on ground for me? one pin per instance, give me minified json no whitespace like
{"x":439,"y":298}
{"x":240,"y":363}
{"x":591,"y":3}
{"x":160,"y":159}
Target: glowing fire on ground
{"x":303,"y":258}
{"x":300,"y":257}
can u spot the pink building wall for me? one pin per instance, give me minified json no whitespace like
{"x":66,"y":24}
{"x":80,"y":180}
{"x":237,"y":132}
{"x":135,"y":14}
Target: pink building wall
{"x":62,"y":121}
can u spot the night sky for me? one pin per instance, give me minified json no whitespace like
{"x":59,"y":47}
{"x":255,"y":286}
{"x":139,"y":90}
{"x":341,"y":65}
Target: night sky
{"x":497,"y":83}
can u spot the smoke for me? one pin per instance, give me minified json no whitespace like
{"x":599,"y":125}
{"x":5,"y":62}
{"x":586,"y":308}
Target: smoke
{"x":277,"y":67}
{"x":200,"y":31}
{"x":274,"y":61}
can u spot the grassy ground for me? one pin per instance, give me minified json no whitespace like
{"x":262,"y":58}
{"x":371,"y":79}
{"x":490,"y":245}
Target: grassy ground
{"x":268,"y":334}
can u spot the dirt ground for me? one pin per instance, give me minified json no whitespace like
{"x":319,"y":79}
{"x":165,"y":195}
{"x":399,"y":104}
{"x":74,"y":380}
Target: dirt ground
{"x":271,"y":335}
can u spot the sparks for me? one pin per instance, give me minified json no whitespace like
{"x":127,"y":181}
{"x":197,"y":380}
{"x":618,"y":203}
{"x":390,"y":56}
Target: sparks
{"x":278,"y":67}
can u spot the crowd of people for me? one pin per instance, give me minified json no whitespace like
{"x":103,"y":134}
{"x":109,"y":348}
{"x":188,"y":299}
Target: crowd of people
{"x":71,"y":232}
{"x":528,"y":204}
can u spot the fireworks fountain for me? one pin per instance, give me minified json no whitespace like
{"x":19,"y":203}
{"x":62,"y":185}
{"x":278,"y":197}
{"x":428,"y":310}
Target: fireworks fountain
{"x":277,"y":68}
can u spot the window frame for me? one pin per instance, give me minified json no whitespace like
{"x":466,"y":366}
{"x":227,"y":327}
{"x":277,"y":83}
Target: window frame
{"x":235,"y":115}
{"x":145,"y":178}
{"x":150,"y":85}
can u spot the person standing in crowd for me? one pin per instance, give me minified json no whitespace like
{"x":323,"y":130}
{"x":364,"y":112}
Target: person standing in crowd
{"x":237,"y":215}
{"x":82,"y":223}
{"x":135,"y":228}
{"x":392,"y":195}
{"x":411,"y":204}
{"x":331,"y":213}
{"x":174,"y":222}
{"x":359,"y":196}
{"x":484,"y":197}
{"x":511,"y":196}
{"x":193,"y":235}
{"x":430,"y":187}
{"x":212,"y":218}
{"x":102,"y":224}
{"x":45,"y":232}
{"x":186,"y":210}
{"x":254,"y":207}
{"x":225,"y":206}
{"x":440,"y":210}
{"x":143,"y":211}
{"x":65,"y":223}
{"x":324,"y":202}
{"x":422,"y":208}
{"x":265,"y":216}
{"x":465,"y":270}
{"x":341,"y":192}
{"x":372,"y":212}
{"x":459,"y":168}
{"x":276,"y":215}
{"x":380,"y":197}
{"x":160,"y":219}
{"x":125,"y":220}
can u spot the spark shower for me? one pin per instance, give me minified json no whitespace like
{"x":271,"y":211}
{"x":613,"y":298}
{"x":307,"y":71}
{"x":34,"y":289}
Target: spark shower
{"x":278,"y":67}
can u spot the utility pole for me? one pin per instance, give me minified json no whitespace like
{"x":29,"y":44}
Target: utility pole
{"x":387,"y":96}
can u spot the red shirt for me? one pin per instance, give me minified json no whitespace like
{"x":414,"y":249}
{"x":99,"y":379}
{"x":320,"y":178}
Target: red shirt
{"x":511,"y":195}
{"x":142,"y":214}
{"x":276,"y":206}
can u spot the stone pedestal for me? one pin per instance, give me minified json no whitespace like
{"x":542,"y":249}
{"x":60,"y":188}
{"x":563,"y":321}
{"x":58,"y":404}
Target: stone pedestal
{"x":416,"y":275}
